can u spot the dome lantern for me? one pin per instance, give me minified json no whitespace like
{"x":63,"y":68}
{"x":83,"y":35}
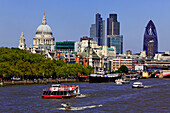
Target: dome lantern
{"x":44,"y":20}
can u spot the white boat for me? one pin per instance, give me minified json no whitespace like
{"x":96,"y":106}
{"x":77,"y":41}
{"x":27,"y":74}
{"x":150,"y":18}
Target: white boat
{"x":122,"y":81}
{"x":137,"y":85}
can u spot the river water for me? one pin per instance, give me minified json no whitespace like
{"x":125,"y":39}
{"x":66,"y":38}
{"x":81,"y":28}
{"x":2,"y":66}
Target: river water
{"x":96,"y":97}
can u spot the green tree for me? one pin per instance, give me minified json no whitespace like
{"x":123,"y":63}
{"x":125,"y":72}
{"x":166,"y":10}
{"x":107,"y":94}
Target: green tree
{"x":123,"y":69}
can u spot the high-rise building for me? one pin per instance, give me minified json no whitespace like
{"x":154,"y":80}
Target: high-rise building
{"x":113,"y":33}
{"x":97,"y":30}
{"x":113,"y":26}
{"x":150,"y":43}
{"x":93,"y":30}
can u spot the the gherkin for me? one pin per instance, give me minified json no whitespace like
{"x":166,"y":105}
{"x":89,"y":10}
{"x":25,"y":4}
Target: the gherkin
{"x":150,"y":36}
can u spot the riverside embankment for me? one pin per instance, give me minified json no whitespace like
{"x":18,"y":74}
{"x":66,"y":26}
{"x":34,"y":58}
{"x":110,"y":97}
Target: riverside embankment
{"x":37,"y":81}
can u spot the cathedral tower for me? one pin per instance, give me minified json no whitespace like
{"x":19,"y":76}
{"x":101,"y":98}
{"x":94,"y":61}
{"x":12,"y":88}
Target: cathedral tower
{"x":22,"y":44}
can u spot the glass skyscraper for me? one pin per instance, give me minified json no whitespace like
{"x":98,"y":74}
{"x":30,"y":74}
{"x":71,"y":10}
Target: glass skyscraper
{"x":113,"y":33}
{"x":97,"y":30}
{"x":117,"y":41}
{"x":150,"y":35}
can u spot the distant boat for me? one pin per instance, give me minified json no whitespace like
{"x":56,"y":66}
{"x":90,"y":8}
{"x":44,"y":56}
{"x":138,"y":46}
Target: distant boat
{"x":137,"y":85}
{"x":101,"y":76}
{"x":61,"y":91}
{"x":132,"y":77}
{"x":83,"y":78}
{"x":122,"y":81}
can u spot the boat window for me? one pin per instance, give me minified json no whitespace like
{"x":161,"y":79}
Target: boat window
{"x":44,"y":93}
{"x":62,"y":92}
{"x":55,"y":92}
{"x":59,"y":93}
{"x":52,"y":93}
{"x":49,"y":93}
{"x":65,"y":92}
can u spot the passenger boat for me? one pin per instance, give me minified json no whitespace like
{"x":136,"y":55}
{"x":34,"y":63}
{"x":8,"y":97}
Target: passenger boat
{"x":137,"y":85}
{"x":61,"y":91}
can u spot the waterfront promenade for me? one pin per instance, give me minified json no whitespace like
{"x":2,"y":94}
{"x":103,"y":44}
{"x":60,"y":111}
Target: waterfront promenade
{"x":38,"y":81}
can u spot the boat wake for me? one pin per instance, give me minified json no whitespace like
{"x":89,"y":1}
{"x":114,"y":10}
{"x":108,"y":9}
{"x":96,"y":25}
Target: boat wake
{"x":79,"y":108}
{"x":147,"y":86}
{"x":81,"y":96}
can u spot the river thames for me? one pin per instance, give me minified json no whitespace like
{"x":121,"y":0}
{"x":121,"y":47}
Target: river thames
{"x":96,"y":97}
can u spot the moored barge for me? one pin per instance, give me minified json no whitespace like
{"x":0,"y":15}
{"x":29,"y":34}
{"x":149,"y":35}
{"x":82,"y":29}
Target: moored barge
{"x":101,"y":76}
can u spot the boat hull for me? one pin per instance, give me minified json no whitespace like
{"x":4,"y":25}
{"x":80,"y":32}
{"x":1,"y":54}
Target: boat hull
{"x":95,"y":79}
{"x":57,"y":96}
{"x":137,"y":86}
{"x":83,"y":79}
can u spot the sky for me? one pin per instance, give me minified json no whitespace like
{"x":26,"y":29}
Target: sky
{"x":71,"y":19}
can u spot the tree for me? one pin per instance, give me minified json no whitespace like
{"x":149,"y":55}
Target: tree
{"x":123,"y":69}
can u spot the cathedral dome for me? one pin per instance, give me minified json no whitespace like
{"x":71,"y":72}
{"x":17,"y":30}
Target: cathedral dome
{"x":44,"y":28}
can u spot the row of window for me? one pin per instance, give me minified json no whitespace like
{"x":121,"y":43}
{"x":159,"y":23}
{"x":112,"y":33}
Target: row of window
{"x":56,"y":92}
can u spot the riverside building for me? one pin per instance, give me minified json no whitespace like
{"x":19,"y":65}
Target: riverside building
{"x":113,"y":33}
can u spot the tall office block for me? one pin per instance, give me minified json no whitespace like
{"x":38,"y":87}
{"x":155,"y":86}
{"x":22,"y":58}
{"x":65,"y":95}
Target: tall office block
{"x":93,"y":30}
{"x":97,"y":30}
{"x":113,"y":26}
{"x":150,"y":44}
{"x":113,"y":33}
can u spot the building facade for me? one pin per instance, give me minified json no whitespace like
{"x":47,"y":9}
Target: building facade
{"x":113,"y":33}
{"x":113,"y":26}
{"x":150,"y":38}
{"x":117,"y":41}
{"x":118,"y":62}
{"x":65,"y":46}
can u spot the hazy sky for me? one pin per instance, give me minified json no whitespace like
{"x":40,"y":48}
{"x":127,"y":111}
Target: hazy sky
{"x":71,"y":19}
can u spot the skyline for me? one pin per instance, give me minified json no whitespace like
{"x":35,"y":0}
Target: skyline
{"x":71,"y":20}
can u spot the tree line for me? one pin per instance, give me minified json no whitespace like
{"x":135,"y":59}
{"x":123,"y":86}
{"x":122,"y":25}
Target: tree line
{"x":21,"y":63}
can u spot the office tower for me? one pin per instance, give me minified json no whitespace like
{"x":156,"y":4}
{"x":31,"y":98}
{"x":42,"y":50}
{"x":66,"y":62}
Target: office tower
{"x":100,"y":31}
{"x":97,"y":30}
{"x":113,"y":33}
{"x":113,"y":26}
{"x":93,"y":30}
{"x":150,"y":43}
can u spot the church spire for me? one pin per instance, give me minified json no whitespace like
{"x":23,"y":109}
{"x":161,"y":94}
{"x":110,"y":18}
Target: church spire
{"x":44,"y":19}
{"x":22,"y":35}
